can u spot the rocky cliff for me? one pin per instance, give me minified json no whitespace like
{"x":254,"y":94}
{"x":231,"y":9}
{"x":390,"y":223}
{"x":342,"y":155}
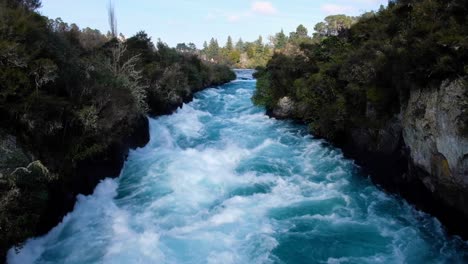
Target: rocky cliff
{"x":435,"y":132}
{"x":422,"y":153}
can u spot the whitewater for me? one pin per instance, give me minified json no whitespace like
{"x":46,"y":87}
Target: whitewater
{"x":220,"y":182}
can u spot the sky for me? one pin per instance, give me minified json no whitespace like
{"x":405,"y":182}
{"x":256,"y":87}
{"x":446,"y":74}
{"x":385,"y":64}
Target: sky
{"x":177,"y":21}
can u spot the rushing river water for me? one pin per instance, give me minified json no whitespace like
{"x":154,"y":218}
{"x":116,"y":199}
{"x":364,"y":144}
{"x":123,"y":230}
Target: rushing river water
{"x":220,"y":182}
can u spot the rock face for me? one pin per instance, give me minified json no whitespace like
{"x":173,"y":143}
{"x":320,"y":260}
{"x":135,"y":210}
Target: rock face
{"x":422,"y":153}
{"x":285,"y":108}
{"x":434,"y":124}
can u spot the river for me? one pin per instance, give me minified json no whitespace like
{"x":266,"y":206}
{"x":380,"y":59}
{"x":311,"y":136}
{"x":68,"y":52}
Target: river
{"x":220,"y":182}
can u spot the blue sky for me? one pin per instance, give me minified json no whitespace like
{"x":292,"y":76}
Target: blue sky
{"x":176,"y":21}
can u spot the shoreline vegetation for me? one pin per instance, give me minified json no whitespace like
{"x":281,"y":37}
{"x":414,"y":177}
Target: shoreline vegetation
{"x":390,"y":89}
{"x":72,"y":103}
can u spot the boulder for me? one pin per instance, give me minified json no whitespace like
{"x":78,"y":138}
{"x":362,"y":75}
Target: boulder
{"x":285,"y":108}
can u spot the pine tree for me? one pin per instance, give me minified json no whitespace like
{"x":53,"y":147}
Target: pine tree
{"x":213,"y":49}
{"x":240,"y":45}
{"x":229,"y":45}
{"x":301,"y":31}
{"x":280,"y":40}
{"x":259,"y":45}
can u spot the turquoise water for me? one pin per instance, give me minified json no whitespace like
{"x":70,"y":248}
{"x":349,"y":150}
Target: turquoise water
{"x":220,"y":182}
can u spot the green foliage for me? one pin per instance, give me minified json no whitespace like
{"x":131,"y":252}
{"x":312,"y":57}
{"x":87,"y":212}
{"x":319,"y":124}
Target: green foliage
{"x":86,"y":150}
{"x":23,"y":192}
{"x":356,"y":71}
{"x":280,"y":40}
{"x":213,"y":49}
{"x":241,"y":55}
{"x":240,"y":45}
{"x":220,"y":74}
{"x":229,"y":45}
{"x":257,"y":53}
{"x":335,"y":24}
{"x":299,"y":36}
{"x":88,"y":116}
{"x":262,"y":94}
{"x":186,"y":48}
{"x":71,"y":95}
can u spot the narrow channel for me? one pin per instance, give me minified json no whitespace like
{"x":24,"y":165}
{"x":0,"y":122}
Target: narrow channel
{"x":220,"y":182}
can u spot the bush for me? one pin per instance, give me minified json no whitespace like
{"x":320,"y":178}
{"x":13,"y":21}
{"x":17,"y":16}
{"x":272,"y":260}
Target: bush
{"x":360,"y":75}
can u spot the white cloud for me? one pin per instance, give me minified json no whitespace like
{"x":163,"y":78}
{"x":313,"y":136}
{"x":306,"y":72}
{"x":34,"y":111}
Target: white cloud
{"x":233,"y":18}
{"x":263,"y":7}
{"x":332,"y":9}
{"x":258,"y":7}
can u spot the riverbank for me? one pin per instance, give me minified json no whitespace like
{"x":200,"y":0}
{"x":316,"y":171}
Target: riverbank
{"x":220,"y":182}
{"x":72,"y":103}
{"x":396,"y":152}
{"x":38,"y":178}
{"x":388,"y":92}
{"x":61,"y":187}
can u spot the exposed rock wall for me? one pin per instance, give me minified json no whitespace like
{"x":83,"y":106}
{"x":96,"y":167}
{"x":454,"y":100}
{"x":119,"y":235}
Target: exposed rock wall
{"x":434,"y":123}
{"x":285,"y":108}
{"x":421,"y":154}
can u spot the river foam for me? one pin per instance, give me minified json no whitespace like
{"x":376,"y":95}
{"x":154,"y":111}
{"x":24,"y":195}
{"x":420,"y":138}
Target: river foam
{"x":220,"y":182}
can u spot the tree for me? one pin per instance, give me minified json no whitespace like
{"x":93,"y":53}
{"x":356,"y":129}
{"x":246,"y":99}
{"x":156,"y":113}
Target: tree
{"x":192,"y":47}
{"x":259,"y":41}
{"x":141,"y":44}
{"x":299,"y":36}
{"x":229,"y":45}
{"x":31,"y":4}
{"x":186,"y":48}
{"x":259,"y":45}
{"x":73,"y":96}
{"x":234,"y":56}
{"x":58,"y":25}
{"x":320,"y":30}
{"x":126,"y":73}
{"x":250,"y":49}
{"x":91,"y":38}
{"x":182,"y":47}
{"x":280,"y":40}
{"x":44,"y":71}
{"x":334,"y":25}
{"x":213,"y":49}
{"x":301,"y":31}
{"x":240,"y":45}
{"x":337,"y":23}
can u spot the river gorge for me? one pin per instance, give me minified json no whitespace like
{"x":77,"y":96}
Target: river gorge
{"x":221,"y":182}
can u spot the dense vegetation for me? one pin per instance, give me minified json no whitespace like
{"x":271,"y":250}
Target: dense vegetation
{"x":358,"y":72}
{"x":70,"y":94}
{"x":244,"y":54}
{"x":240,"y":55}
